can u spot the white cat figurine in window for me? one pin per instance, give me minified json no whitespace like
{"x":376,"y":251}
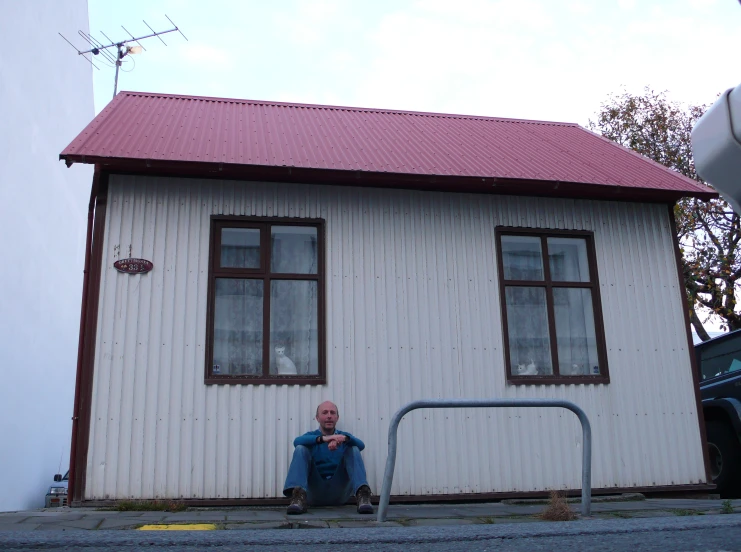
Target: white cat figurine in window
{"x":285,"y":365}
{"x":529,"y":370}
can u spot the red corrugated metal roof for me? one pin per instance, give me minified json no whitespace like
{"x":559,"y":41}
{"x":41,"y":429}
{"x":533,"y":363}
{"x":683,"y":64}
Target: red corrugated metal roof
{"x":179,"y":129}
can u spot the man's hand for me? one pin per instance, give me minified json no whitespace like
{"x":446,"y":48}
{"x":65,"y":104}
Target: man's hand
{"x":334,"y":441}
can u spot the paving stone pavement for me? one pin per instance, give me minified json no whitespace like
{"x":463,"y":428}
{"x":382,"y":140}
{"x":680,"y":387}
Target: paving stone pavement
{"x":258,"y":518}
{"x":17,"y":527}
{"x":256,"y":515}
{"x":121,"y":523}
{"x":258,"y":525}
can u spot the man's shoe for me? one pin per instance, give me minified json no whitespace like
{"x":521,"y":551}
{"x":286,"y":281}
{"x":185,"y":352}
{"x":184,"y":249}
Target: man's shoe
{"x":298,"y":503}
{"x":363,"y":497}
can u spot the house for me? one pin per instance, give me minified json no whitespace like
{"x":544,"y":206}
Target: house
{"x":305,"y":252}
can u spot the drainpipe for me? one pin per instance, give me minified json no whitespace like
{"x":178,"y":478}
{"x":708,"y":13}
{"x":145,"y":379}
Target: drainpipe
{"x":81,"y":342}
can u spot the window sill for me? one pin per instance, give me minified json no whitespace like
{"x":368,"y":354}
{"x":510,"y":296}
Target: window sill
{"x":260,"y":380}
{"x":558,"y":380}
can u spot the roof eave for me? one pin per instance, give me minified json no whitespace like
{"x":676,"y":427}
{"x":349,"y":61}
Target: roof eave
{"x":440,"y":183}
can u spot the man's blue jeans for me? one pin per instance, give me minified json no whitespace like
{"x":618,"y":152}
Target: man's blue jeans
{"x":345,"y":482}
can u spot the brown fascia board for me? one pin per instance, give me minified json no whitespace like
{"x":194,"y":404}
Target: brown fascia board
{"x":460,"y":184}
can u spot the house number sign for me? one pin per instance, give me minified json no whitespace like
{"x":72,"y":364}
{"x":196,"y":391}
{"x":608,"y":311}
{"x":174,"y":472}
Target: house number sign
{"x":133,"y":266}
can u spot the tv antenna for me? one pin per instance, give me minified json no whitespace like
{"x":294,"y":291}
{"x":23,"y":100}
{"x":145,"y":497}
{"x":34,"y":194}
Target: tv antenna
{"x":122,"y":48}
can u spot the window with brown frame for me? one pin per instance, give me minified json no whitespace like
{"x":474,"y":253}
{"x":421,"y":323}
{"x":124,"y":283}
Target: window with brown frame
{"x":551,"y":312}
{"x":266,"y":301}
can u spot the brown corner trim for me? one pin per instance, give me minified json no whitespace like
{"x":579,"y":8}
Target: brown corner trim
{"x":666,"y":490}
{"x":81,"y":340}
{"x":88,"y":331}
{"x":690,"y":346}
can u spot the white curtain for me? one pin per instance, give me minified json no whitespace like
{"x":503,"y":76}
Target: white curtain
{"x":240,"y":248}
{"x":567,"y":258}
{"x":527,"y":326}
{"x":238,"y":326}
{"x":522,"y":258}
{"x":575,"y":333}
{"x":294,"y":327}
{"x":293,"y":249}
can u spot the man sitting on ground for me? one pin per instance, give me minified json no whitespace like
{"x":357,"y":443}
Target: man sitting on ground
{"x":327,"y":468}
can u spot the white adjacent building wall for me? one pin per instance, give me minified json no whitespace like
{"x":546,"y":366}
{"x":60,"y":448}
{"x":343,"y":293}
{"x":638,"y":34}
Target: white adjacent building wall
{"x":46,"y":98}
{"x":413,"y":311}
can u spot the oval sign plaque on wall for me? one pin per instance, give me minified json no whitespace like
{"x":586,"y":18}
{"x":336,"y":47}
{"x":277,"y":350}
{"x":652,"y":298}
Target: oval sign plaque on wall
{"x":133,"y":266}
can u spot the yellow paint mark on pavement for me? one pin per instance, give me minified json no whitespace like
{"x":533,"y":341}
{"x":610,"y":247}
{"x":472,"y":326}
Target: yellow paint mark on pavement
{"x":180,"y":527}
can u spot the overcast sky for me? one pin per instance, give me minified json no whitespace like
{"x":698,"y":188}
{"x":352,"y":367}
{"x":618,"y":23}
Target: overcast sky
{"x":535,"y":59}
{"x":531,"y":59}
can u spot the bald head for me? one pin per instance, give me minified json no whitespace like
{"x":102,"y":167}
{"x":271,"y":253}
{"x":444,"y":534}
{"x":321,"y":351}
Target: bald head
{"x":327,"y":415}
{"x":326,"y":405}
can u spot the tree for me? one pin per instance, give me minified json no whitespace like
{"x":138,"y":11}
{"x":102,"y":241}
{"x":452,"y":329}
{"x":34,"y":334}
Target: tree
{"x":708,"y":231}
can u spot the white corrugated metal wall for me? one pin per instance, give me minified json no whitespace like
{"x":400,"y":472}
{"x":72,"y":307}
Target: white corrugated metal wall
{"x":412,"y":312}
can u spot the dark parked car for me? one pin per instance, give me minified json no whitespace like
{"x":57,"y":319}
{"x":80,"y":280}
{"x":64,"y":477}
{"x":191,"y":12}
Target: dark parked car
{"x":719,"y":362}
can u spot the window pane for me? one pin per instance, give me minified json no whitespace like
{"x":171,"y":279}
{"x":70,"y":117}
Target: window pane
{"x":294,"y":249}
{"x":527,"y":326}
{"x":522,"y":258}
{"x":238,"y":327}
{"x":240,"y":247}
{"x":294,"y":328}
{"x":575,"y":333}
{"x":720,"y":360}
{"x":568,"y":259}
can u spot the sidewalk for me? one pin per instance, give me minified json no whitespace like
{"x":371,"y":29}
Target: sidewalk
{"x":254,"y":518}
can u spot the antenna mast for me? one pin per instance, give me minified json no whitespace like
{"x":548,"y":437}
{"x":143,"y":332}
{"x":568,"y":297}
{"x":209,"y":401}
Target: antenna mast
{"x":121,"y":48}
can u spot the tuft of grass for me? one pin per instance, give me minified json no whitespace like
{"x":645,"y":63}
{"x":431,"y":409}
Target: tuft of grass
{"x":726,"y":507}
{"x":557,"y":509}
{"x":150,"y":506}
{"x":684,"y":512}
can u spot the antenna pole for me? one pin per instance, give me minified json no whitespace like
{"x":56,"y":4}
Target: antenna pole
{"x":118,"y":64}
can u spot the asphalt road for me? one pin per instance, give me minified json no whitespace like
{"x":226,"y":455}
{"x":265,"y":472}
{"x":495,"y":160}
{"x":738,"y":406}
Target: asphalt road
{"x":705,"y":533}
